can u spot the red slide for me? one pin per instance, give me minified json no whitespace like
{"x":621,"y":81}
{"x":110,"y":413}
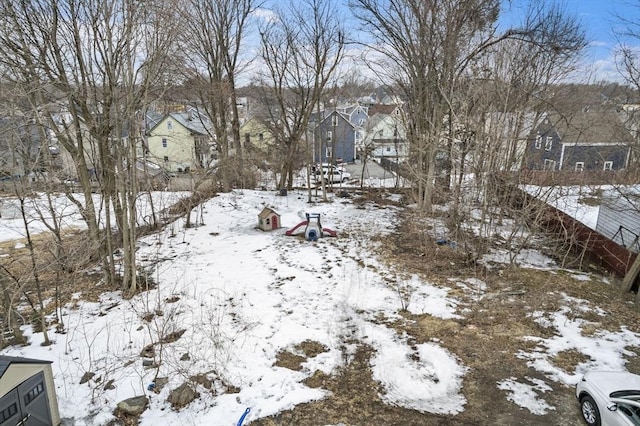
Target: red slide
{"x":292,"y":230}
{"x":329,"y":231}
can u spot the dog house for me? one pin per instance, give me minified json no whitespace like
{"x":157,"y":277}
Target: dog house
{"x":27,"y":392}
{"x":268,"y":219}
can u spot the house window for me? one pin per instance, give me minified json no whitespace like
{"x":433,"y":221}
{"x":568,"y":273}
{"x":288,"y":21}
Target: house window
{"x":329,"y":152}
{"x":608,"y":165}
{"x":334,"y":120}
{"x":247,"y":138}
{"x":388,"y":149}
{"x":329,"y":135}
{"x":548,"y":143}
{"x":579,"y":166}
{"x":166,"y":159}
{"x":260,"y":136}
{"x":397,"y":111}
{"x":169,"y":125}
{"x":164,"y":142}
{"x":361,"y":121}
{"x":538,"y":144}
{"x":550,"y":165}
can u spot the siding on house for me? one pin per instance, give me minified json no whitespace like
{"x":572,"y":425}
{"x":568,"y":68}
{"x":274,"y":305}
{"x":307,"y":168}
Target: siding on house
{"x":255,"y":134}
{"x":619,"y":220}
{"x":544,"y":149}
{"x":179,"y":141}
{"x":337,"y":135}
{"x":594,"y":157}
{"x":588,"y":140}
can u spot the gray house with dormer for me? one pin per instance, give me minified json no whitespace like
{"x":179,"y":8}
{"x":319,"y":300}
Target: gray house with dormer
{"x":591,"y":140}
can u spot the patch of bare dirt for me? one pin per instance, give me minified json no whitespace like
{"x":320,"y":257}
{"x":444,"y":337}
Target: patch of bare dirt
{"x":487,"y":339}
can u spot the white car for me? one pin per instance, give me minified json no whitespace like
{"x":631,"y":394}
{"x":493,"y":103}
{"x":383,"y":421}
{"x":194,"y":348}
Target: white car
{"x":332,"y":174}
{"x":609,"y":398}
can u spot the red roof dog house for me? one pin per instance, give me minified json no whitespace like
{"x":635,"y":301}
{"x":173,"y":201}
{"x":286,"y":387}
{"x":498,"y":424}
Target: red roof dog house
{"x":268,"y":219}
{"x":27,"y":392}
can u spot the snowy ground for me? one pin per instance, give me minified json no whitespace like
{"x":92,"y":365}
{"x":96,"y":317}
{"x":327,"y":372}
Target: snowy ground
{"x":38,"y":212}
{"x":242,"y":296}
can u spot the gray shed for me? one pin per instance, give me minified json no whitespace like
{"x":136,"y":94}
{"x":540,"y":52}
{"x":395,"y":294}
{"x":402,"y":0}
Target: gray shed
{"x":619,"y":220}
{"x":27,"y":393}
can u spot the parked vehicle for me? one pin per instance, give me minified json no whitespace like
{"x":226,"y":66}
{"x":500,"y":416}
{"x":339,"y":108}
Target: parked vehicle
{"x":332,"y":174}
{"x":609,"y":398}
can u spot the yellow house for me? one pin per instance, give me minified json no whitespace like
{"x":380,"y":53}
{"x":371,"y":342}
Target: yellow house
{"x":256,"y":137}
{"x":181,"y":142}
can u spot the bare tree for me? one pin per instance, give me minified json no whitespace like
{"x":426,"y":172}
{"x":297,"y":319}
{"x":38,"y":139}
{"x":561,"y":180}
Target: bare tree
{"x":301,"y":51}
{"x":427,"y":46}
{"x":87,"y":68}
{"x":213,"y":40}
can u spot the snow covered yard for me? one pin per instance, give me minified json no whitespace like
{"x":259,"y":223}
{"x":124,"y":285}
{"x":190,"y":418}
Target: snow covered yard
{"x":231,"y":302}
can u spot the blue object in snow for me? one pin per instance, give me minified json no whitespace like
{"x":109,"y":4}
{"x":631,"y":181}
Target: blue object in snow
{"x":243,"y":416}
{"x":445,"y":242}
{"x":151,"y":386}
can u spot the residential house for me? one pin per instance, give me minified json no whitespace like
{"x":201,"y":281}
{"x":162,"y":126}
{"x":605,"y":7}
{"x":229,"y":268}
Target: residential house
{"x":356,"y":113}
{"x":507,"y":133}
{"x":590,"y":140}
{"x":181,"y":141}
{"x":335,"y":139}
{"x":388,"y":109}
{"x":384,"y":134}
{"x":257,"y":139}
{"x":26,"y":148}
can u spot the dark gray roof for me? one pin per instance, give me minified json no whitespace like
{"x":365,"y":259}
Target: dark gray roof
{"x":6,"y":361}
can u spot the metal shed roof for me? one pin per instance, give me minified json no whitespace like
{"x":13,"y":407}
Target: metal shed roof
{"x":6,"y":361}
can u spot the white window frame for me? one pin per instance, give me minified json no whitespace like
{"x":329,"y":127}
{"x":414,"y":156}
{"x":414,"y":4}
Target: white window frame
{"x":328,"y":151}
{"x":334,"y":120}
{"x":165,"y":143}
{"x":550,"y":165}
{"x":608,"y":165}
{"x":538,"y":143}
{"x":169,"y":125}
{"x":579,"y":166}
{"x":548,"y":143}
